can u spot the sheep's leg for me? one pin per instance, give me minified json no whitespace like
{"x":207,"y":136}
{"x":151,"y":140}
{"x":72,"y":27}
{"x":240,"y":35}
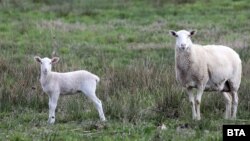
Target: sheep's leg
{"x":191,"y":99}
{"x":98,"y":105}
{"x":52,"y":107}
{"x":235,"y":104}
{"x":198,"y":102}
{"x":228,"y":102}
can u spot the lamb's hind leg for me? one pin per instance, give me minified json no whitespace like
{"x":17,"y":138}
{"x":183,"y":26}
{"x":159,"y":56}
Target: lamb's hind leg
{"x":98,"y":106}
{"x":89,"y":91}
{"x":228,"y":102}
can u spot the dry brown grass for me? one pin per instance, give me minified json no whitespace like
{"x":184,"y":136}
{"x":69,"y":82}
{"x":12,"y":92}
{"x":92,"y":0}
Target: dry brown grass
{"x":141,"y":46}
{"x":60,"y":25}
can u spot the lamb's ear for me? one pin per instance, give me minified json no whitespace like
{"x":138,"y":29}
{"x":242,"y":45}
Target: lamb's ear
{"x":173,"y":33}
{"x":193,"y":32}
{"x":37,"y":59}
{"x":54,"y":60}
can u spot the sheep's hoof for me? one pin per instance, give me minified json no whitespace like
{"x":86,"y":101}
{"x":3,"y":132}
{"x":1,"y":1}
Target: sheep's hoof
{"x":233,"y":118}
{"x":194,"y":117}
{"x":197,"y":118}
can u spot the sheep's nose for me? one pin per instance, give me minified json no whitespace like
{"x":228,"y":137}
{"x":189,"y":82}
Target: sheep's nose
{"x":183,"y":46}
{"x":45,"y":71}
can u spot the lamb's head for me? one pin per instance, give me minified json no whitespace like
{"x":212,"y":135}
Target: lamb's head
{"x":183,"y":38}
{"x":46,"y":63}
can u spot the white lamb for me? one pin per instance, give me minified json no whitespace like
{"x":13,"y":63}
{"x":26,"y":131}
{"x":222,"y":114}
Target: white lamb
{"x":207,"y":68}
{"x":55,"y":83}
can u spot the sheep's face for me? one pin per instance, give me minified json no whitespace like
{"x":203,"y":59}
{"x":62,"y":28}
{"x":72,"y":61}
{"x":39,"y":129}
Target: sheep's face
{"x":183,"y":39}
{"x":46,"y":63}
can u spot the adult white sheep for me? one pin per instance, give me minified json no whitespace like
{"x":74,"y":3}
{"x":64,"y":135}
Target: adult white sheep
{"x":55,"y":83}
{"x":207,"y":68}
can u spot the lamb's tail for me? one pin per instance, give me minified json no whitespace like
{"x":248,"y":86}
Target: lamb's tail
{"x":97,"y":79}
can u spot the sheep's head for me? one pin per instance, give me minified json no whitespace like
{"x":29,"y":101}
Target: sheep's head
{"x":46,"y":63}
{"x":183,"y":38}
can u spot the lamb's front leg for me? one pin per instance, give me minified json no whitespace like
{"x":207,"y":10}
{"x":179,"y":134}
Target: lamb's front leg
{"x":191,"y":100}
{"x":53,"y":98}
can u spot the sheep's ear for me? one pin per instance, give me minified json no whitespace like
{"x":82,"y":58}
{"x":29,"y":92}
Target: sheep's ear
{"x":193,"y":32}
{"x":173,"y":33}
{"x":54,"y":60}
{"x":37,"y":59}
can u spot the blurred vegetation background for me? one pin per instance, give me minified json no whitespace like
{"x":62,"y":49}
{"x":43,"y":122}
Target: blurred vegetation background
{"x":126,"y":43}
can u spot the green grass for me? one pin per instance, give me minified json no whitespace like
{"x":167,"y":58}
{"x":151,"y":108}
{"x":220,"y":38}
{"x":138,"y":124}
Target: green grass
{"x":126,"y":43}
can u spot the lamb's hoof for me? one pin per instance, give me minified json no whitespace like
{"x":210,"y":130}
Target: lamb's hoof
{"x":51,"y":120}
{"x":103,"y":120}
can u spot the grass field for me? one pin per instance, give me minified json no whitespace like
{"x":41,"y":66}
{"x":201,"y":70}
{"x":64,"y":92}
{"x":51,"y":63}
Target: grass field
{"x":126,"y":43}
